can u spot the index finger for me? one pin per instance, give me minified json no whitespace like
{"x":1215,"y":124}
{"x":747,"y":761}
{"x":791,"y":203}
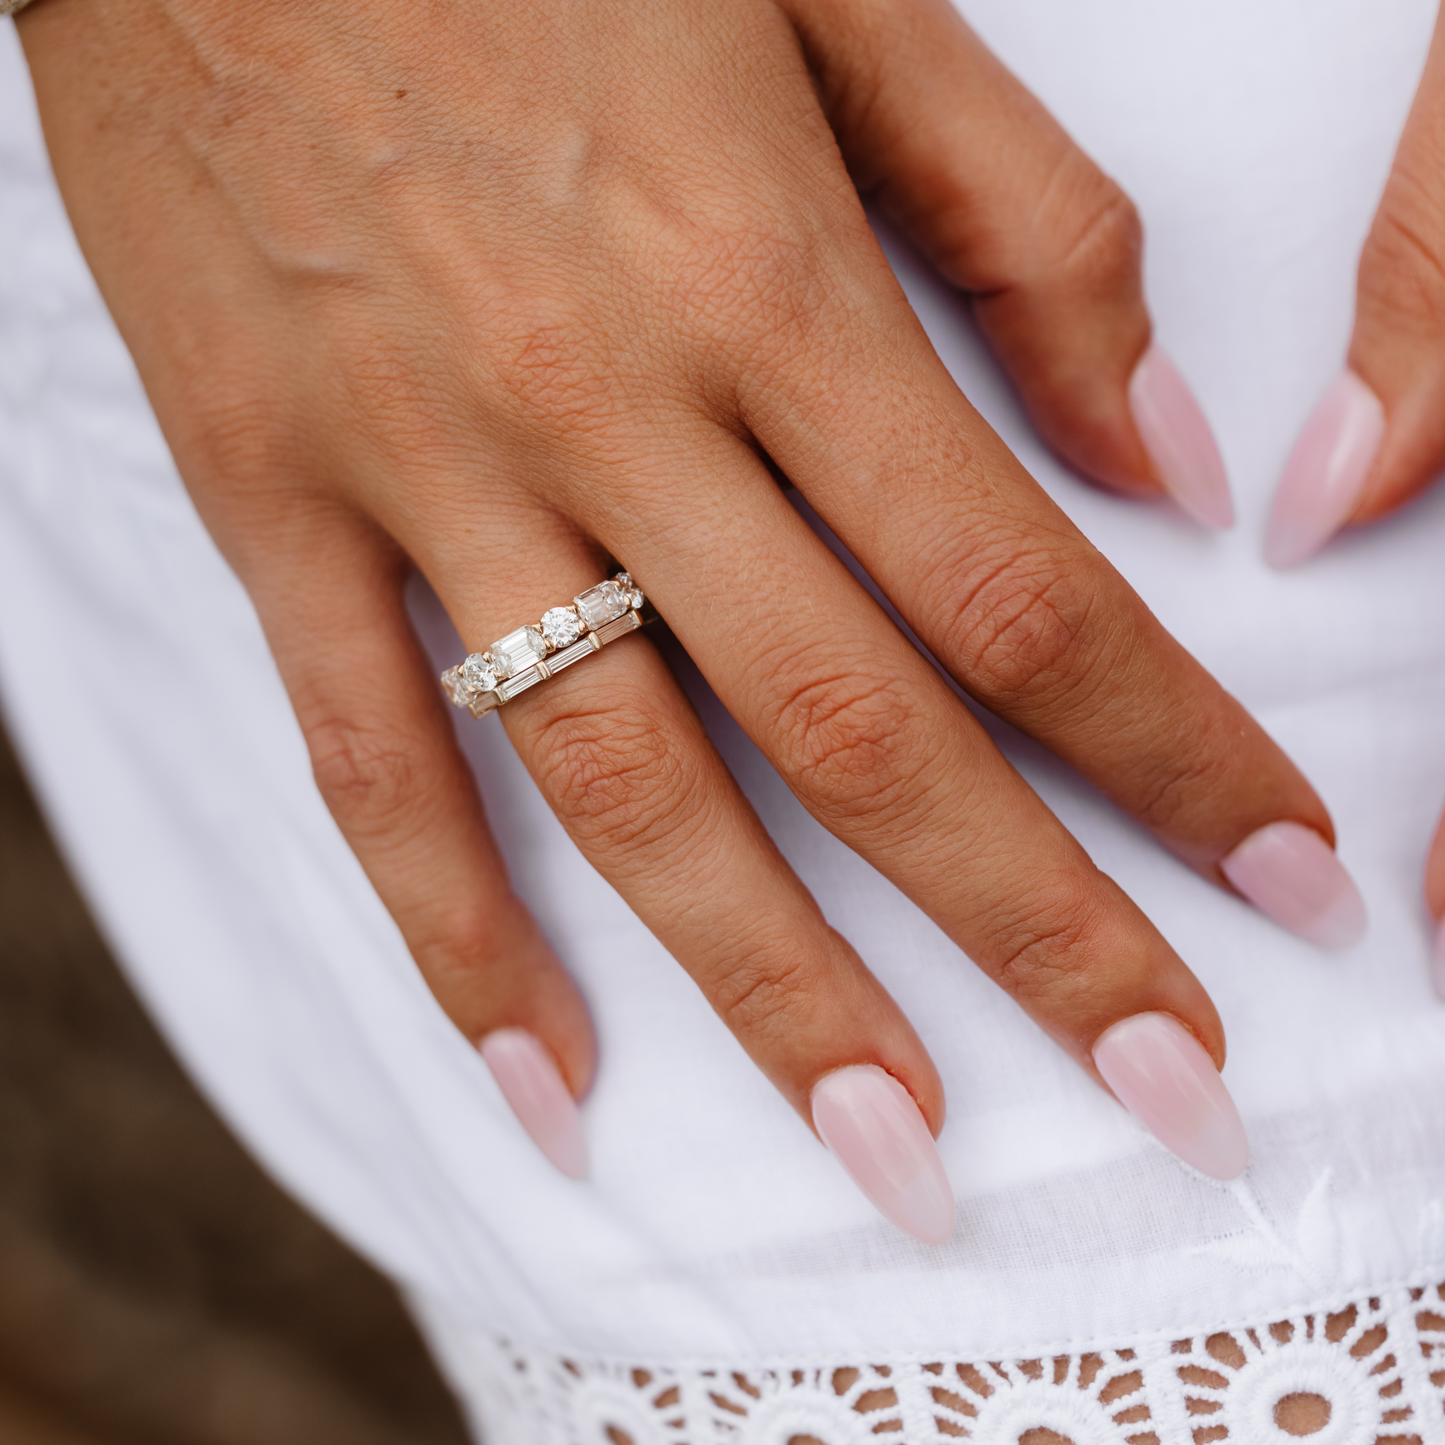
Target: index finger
{"x":1030,"y":618}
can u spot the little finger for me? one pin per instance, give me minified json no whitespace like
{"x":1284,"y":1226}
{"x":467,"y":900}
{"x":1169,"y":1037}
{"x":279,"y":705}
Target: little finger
{"x":387,"y":764}
{"x":1028,"y":617}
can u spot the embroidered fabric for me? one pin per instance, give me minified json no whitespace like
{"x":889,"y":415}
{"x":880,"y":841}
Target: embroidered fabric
{"x":1371,"y":1372}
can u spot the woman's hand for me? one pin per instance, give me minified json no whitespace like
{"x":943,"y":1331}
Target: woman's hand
{"x":499,"y":290}
{"x":1376,"y":440}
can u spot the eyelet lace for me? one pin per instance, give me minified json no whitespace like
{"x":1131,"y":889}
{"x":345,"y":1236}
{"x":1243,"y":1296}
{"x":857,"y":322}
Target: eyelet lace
{"x":1368,"y":1373}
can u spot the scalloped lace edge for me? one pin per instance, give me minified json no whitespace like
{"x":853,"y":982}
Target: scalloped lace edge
{"x":1371,"y":1372}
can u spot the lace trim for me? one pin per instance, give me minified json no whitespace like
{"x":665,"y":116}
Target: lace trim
{"x":1372,"y":1373}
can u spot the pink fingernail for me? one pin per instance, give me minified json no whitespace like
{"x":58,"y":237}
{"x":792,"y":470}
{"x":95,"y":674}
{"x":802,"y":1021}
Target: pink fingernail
{"x":1292,"y":875}
{"x":1178,"y":440}
{"x":1161,"y":1074}
{"x":1326,"y":471}
{"x":1437,"y":970}
{"x":876,"y":1132}
{"x":533,"y":1085}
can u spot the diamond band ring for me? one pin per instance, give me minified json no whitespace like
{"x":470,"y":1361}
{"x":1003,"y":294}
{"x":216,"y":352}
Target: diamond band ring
{"x":535,"y":652}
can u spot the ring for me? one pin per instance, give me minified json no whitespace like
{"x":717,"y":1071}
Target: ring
{"x":533,"y":653}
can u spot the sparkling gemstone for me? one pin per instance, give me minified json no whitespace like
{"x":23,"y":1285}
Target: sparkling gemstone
{"x":601,"y":604}
{"x":630,"y":590}
{"x":518,"y":651}
{"x":456,"y":686}
{"x":478,"y":673}
{"x":561,"y":626}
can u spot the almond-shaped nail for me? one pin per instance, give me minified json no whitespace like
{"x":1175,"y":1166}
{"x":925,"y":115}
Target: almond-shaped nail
{"x":1178,"y":440}
{"x":1326,"y":472}
{"x":1162,"y":1075}
{"x":877,"y":1133}
{"x":1437,"y":961}
{"x":532,"y":1084}
{"x":1292,"y":875}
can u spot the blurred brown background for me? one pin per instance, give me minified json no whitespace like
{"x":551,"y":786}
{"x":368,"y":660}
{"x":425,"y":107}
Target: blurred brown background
{"x":155,"y":1287}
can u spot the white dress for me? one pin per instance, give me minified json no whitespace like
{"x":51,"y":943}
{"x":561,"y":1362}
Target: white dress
{"x":718,"y":1278}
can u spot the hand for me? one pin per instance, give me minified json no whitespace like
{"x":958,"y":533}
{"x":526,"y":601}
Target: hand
{"x":1376,"y":440}
{"x":498,"y":293}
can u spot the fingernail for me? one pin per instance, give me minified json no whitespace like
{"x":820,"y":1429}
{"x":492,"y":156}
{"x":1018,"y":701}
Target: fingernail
{"x":533,"y":1085}
{"x":1161,"y":1074}
{"x":1178,"y":440}
{"x":876,"y":1132}
{"x":1326,"y":471}
{"x":1437,"y":969}
{"x":1292,"y":875}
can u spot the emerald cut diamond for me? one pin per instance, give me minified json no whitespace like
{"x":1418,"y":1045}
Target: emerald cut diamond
{"x":518,"y":651}
{"x":601,"y":604}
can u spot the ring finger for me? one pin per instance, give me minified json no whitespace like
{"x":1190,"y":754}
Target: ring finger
{"x":623,"y":760}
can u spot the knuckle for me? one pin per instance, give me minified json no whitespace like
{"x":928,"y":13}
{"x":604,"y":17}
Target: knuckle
{"x":1046,"y":953}
{"x":1100,"y":235}
{"x":548,"y":368}
{"x":453,"y":945}
{"x":614,"y":773}
{"x":369,"y":777}
{"x":1021,"y":625}
{"x":1173,"y":788}
{"x":236,"y":433}
{"x":761,"y":993}
{"x":760,"y":274}
{"x":852,"y":741}
{"x":1402,"y":266}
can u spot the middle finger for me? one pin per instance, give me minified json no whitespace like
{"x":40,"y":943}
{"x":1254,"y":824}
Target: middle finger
{"x":876,"y":746}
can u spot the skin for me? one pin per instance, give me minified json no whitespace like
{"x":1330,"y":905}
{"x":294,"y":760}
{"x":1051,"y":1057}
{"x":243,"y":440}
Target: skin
{"x":1398,"y":343}
{"x":496,"y":291}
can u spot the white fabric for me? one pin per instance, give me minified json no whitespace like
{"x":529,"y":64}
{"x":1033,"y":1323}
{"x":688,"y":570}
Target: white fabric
{"x":1255,"y":136}
{"x":1366,"y":1374}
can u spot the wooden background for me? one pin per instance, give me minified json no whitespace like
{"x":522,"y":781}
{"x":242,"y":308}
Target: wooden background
{"x":155,"y":1287}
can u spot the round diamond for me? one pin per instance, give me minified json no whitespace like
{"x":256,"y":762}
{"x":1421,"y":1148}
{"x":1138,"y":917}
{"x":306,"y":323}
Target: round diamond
{"x":561,"y":626}
{"x":478,"y":673}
